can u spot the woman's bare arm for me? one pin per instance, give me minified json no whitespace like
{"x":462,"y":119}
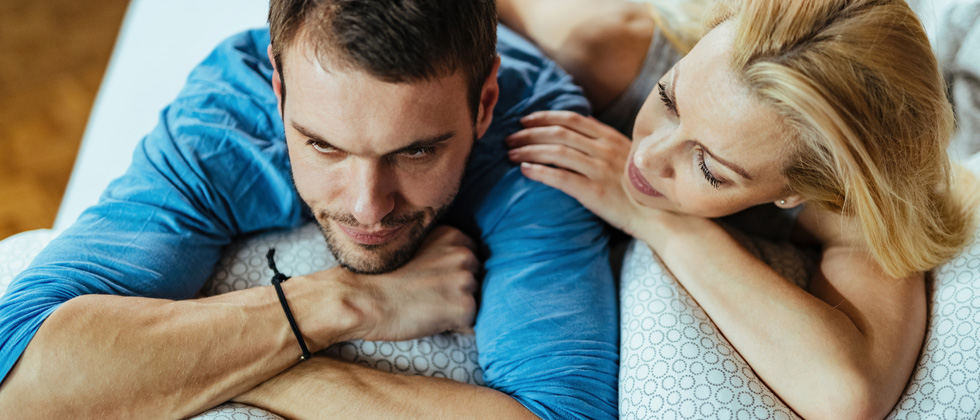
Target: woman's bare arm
{"x":601,"y":43}
{"x":843,"y":349}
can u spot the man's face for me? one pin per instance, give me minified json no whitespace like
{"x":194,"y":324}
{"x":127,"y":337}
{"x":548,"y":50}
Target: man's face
{"x":376,"y":162}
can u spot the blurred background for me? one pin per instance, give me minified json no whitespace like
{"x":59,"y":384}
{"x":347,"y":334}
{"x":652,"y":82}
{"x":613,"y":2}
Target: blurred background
{"x":53,"y":54}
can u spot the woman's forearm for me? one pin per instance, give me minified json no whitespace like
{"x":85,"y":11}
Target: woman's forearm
{"x":810,"y":353}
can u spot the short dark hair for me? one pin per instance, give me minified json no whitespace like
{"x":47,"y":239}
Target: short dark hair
{"x":396,"y":41}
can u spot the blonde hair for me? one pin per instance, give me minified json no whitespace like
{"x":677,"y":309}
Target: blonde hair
{"x":859,"y":85}
{"x":682,"y":22}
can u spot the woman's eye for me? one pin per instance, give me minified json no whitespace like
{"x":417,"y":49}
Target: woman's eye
{"x":708,"y":176}
{"x":668,"y":102}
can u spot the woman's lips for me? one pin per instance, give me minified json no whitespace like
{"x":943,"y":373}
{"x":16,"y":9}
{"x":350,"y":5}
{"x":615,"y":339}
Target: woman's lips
{"x":639,"y":182}
{"x":364,"y":237}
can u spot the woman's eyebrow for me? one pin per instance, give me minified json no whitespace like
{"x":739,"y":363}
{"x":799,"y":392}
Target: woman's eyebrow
{"x":730,"y":165}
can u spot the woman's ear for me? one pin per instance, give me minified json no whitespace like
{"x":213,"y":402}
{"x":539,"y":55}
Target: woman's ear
{"x":790,"y":201}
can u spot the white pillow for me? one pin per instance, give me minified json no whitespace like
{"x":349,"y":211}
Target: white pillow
{"x":675,"y":364}
{"x":17,"y":252}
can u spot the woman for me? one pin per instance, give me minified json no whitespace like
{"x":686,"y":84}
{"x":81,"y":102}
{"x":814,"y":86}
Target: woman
{"x":832,"y":107}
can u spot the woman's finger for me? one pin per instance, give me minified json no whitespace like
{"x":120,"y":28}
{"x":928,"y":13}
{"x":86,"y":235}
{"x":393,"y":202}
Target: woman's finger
{"x":558,"y":155}
{"x":568,"y":182}
{"x":552,"y":134}
{"x":587,"y":126}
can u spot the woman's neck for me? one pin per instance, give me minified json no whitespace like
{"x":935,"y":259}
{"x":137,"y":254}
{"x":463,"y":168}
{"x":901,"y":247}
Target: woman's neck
{"x":827,"y":228}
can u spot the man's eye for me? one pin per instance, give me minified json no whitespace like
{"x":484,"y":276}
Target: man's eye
{"x":321,"y":147}
{"x":418,"y":152}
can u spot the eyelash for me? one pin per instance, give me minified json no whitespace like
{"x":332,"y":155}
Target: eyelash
{"x":715,"y":182}
{"x":669,"y":103}
{"x":425,"y":151}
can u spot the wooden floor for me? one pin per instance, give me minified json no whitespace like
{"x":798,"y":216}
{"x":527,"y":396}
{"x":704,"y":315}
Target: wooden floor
{"x":52,"y":57}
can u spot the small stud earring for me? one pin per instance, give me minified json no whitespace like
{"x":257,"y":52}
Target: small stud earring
{"x":783,"y":202}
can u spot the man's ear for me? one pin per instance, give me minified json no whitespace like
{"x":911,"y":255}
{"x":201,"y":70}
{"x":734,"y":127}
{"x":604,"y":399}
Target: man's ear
{"x":276,"y":81}
{"x":488,"y":99}
{"x":790,"y":201}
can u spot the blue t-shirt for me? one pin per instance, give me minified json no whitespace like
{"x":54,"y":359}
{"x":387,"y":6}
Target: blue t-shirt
{"x":216,"y":168}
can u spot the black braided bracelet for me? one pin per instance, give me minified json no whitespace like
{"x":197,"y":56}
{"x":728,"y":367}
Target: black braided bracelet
{"x":277,"y":279}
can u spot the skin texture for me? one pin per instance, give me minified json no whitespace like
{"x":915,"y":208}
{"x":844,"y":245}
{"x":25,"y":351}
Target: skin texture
{"x":845,"y":347}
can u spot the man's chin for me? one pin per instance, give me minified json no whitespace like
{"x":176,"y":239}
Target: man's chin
{"x":373,"y":259}
{"x":370,"y":262}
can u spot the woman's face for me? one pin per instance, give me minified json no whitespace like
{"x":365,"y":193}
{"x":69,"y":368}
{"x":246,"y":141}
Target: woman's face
{"x":703,"y":144}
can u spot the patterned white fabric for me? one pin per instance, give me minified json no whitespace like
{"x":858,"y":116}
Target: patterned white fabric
{"x":676,"y":365}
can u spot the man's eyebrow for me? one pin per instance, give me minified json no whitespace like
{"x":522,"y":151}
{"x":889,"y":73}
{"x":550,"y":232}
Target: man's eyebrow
{"x":730,"y":165}
{"x":306,"y":132}
{"x":427,"y":141}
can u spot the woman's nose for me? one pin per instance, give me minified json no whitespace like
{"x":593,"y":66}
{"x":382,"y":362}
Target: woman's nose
{"x":653,"y":157}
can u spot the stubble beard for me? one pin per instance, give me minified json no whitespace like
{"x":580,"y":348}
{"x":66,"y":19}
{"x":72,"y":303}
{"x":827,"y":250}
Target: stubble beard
{"x":378,"y":259}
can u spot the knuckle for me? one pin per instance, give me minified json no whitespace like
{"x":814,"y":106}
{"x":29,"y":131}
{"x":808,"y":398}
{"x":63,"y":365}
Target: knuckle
{"x":560,"y":175}
{"x":554,"y":131}
{"x":562,"y":152}
{"x":460,"y":255}
{"x":468,"y":307}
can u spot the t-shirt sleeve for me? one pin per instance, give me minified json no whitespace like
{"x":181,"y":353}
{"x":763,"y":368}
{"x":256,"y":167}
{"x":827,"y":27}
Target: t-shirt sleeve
{"x":202,"y":176}
{"x":547,"y":327}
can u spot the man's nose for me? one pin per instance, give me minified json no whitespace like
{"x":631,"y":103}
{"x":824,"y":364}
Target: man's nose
{"x":371,"y":195}
{"x":653,"y":156}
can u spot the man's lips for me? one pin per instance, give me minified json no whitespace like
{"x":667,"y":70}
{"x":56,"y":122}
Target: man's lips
{"x":639,"y":182}
{"x":365,"y":237}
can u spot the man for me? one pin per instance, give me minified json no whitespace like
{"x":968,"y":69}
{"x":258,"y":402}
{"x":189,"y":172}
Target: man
{"x":362,"y":115}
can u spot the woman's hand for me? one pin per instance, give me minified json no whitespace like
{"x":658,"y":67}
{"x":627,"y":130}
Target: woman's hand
{"x":584,"y":158}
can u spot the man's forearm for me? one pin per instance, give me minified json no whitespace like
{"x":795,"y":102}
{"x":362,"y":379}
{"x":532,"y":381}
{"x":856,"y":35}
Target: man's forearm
{"x":112,"y":356}
{"x":327,"y":388}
